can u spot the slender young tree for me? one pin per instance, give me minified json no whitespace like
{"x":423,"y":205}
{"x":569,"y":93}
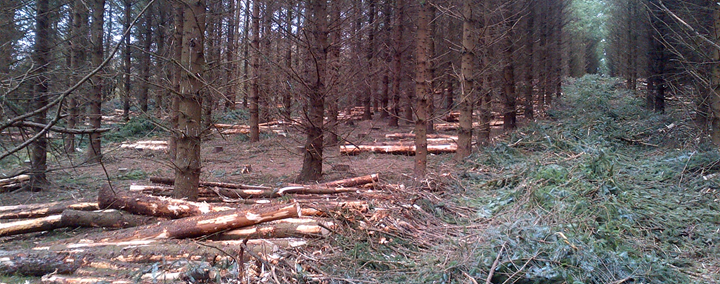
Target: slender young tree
{"x":467,"y":93}
{"x":127,"y":61}
{"x":187,"y":162}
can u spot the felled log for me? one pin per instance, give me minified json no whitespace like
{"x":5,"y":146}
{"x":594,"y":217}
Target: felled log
{"x":67,"y":259}
{"x":43,"y":209}
{"x":452,"y":116}
{"x":412,"y":136}
{"x":156,"y":206}
{"x":206,"y":224}
{"x":395,"y":149}
{"x":103,"y":218}
{"x":451,"y":126}
{"x":31,"y":225}
{"x":15,"y":179}
{"x":286,"y":228}
{"x":146,"y":145}
{"x":171,"y":181}
{"x":65,"y":279}
{"x":356,"y":181}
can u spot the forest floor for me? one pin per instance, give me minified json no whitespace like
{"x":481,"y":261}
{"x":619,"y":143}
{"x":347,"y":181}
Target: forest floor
{"x":602,"y":191}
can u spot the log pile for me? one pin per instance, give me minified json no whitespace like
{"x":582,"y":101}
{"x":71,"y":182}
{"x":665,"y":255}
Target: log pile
{"x":355,"y":113}
{"x":437,"y":144}
{"x":12,"y":183}
{"x":252,"y":225}
{"x":278,"y":127}
{"x":152,"y":145}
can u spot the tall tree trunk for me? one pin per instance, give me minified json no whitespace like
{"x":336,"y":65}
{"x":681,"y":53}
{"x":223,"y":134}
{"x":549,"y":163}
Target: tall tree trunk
{"x":385,"y":95}
{"x":397,"y":62}
{"x":315,"y":109}
{"x":246,"y":53}
{"x":370,"y":83}
{"x":467,"y":94}
{"x":41,"y":50}
{"x":287,"y":96}
{"x":8,"y":36}
{"x":423,"y":81}
{"x":145,"y":62}
{"x":78,"y":43}
{"x":715,"y":81}
{"x":508,"y":79}
{"x":177,"y":73}
{"x":334,"y":72}
{"x":432,"y":53}
{"x":231,"y":55}
{"x":530,"y":53}
{"x":187,"y":162}
{"x":95,"y":112}
{"x":127,"y":63}
{"x":254,"y":73}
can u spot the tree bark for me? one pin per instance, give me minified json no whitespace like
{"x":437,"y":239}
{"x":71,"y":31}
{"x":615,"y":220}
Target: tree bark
{"x":510,"y":98}
{"x":127,"y":60}
{"x":715,"y":81}
{"x":202,"y":225}
{"x":529,"y":51}
{"x":255,"y":73}
{"x":103,"y":218}
{"x":145,"y":62}
{"x":43,"y":209}
{"x":187,"y":162}
{"x":41,"y":50}
{"x":78,"y":42}
{"x":315,"y":109}
{"x":286,"y":228}
{"x":30,"y":225}
{"x":147,"y":205}
{"x":397,"y":62}
{"x":368,"y":94}
{"x":467,"y":100}
{"x":94,"y":111}
{"x":423,"y":81}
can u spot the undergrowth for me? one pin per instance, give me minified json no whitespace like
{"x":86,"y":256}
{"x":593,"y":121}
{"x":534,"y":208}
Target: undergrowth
{"x":603,"y":192}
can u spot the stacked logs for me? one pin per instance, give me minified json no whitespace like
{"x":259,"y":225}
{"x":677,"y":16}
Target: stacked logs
{"x":404,"y":144}
{"x":151,"y":227}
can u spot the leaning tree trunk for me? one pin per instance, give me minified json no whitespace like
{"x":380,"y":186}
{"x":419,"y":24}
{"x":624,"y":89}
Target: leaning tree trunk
{"x":95,"y":98}
{"x":315,"y":109}
{"x":187,"y":162}
{"x":422,"y":86}
{"x":466,"y":84}
{"x":41,"y":52}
